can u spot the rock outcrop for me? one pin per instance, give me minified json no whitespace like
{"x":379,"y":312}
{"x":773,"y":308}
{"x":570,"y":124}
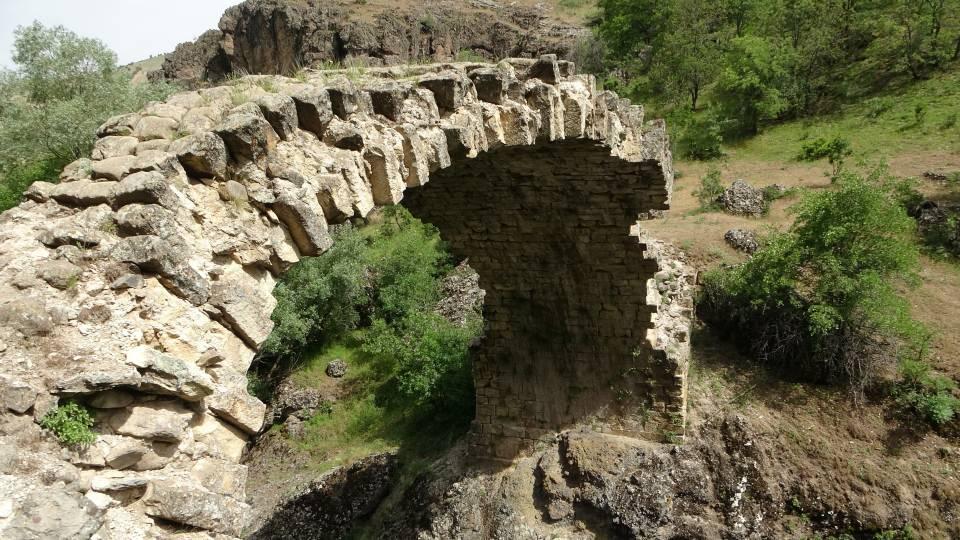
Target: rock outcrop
{"x":140,"y":285}
{"x":282,"y":36}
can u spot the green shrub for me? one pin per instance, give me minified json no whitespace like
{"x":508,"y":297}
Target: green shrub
{"x":318,"y":298}
{"x":927,"y":394}
{"x":711,"y":188}
{"x":432,"y":356}
{"x":71,"y":423}
{"x":835,"y":150}
{"x":698,"y":137}
{"x":820,"y":300}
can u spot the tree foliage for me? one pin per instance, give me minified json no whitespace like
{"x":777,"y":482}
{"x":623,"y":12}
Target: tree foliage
{"x":820,"y":299}
{"x":763,"y":60}
{"x":64,"y":86}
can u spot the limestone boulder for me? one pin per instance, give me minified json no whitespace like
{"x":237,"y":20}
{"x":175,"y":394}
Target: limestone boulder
{"x":155,"y":254}
{"x":743,"y":199}
{"x":221,"y":477}
{"x":16,"y":395}
{"x":113,"y":168}
{"x":111,"y":399}
{"x":243,"y":305}
{"x":220,"y":438}
{"x":742,"y":240}
{"x":120,"y":125}
{"x":301,"y":212}
{"x":29,"y":316}
{"x":83,"y":193}
{"x":314,"y":111}
{"x":34,"y":512}
{"x":156,"y":127}
{"x":165,"y":374}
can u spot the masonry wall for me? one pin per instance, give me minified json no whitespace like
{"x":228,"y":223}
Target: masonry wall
{"x":548,"y":230}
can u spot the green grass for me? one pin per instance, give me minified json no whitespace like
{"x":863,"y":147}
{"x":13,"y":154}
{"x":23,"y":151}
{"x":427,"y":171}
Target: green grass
{"x":876,"y":126}
{"x":369,"y":418}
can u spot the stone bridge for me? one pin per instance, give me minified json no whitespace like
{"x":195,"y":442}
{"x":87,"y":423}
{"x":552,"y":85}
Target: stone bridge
{"x":141,"y":283}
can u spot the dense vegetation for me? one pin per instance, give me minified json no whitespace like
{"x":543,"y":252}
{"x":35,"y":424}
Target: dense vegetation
{"x":63,"y":88}
{"x":751,"y":62}
{"x":370,"y":301}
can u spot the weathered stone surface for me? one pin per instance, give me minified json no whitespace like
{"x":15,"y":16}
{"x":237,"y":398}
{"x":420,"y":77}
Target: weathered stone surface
{"x":83,"y":193}
{"x":120,"y":125}
{"x":145,"y":188}
{"x":26,"y":315}
{"x":154,"y":420}
{"x":59,"y":273}
{"x":281,"y":112}
{"x":203,"y":155}
{"x":16,"y":396}
{"x":221,"y":438}
{"x":165,"y":374}
{"x":154,"y":254}
{"x":112,"y":481}
{"x":248,"y":135}
{"x":114,"y":146}
{"x":336,"y":368}
{"x":239,"y":408}
{"x":313,"y":109}
{"x":180,"y":500}
{"x":156,"y":127}
{"x":300,"y":211}
{"x":38,"y":512}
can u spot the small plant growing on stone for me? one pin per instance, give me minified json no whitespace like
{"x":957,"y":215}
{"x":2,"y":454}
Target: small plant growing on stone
{"x":72,"y":424}
{"x":108,"y":226}
{"x":238,"y":97}
{"x":267,"y":85}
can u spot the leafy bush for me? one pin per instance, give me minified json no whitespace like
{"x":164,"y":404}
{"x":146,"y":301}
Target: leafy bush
{"x":318,"y":299}
{"x":64,"y":87}
{"x":747,"y":90}
{"x":949,"y":122}
{"x":711,"y":188}
{"x":819,"y":300}
{"x":698,"y":137}
{"x":876,"y":107}
{"x":835,"y":150}
{"x":71,"y":423}
{"x":432,"y":356}
{"x":925,"y":393}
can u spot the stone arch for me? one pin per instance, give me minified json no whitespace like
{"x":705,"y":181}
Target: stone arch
{"x":141,"y":283}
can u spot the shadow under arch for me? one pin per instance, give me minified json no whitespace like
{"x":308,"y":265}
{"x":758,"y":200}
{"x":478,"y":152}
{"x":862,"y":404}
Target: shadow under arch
{"x":548,"y":229}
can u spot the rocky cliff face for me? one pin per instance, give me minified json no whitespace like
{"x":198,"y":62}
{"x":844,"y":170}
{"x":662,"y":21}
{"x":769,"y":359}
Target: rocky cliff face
{"x":280,"y":36}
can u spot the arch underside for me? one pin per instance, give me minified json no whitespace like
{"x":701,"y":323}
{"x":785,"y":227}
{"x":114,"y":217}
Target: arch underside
{"x":548,"y":230}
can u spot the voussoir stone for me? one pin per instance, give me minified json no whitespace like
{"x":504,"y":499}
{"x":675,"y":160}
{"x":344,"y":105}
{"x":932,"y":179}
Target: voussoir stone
{"x":248,"y":135}
{"x":314,"y":111}
{"x":281,"y":111}
{"x":114,"y":146}
{"x":145,"y":188}
{"x":165,"y":374}
{"x":203,"y":155}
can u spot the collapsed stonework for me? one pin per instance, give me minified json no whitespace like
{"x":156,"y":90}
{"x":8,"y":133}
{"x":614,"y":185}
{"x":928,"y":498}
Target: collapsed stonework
{"x":281,"y":36}
{"x":140,"y":285}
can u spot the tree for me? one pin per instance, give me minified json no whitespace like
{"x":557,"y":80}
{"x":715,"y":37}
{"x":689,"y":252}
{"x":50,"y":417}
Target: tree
{"x":63,"y":88}
{"x":748,"y":88}
{"x":631,"y":29}
{"x":690,"y":52}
